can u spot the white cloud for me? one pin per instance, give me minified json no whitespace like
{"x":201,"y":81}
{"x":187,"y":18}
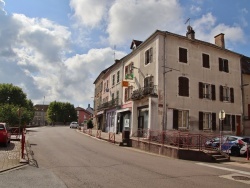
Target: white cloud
{"x":141,"y":18}
{"x":89,"y":12}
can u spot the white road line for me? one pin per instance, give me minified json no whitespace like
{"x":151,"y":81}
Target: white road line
{"x":223,"y":168}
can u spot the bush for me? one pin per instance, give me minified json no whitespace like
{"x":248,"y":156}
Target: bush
{"x":90,"y":124}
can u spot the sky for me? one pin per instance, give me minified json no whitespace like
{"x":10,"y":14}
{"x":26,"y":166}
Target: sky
{"x":55,"y":49}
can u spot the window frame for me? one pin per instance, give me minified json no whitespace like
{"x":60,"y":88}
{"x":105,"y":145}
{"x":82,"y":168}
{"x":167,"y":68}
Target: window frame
{"x":183,"y":55}
{"x":118,"y":77}
{"x":205,"y":60}
{"x":223,"y":65}
{"x":183,"y":86}
{"x":148,"y":56}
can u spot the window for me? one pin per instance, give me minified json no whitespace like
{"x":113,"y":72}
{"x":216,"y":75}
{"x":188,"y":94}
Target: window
{"x":113,"y":80}
{"x":206,"y":91}
{"x":226,"y":94}
{"x":223,"y":65}
{"x":207,"y":120}
{"x":149,"y":56}
{"x":205,"y":60}
{"x":182,"y":55}
{"x":149,"y":81}
{"x":229,"y":123}
{"x":183,"y":86}
{"x":118,"y":76}
{"x":129,"y":71}
{"x":180,"y":119}
{"x":128,"y":93}
{"x":117,"y":94}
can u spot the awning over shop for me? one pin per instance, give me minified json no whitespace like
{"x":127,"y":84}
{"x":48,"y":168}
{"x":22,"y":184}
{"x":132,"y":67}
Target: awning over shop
{"x":123,"y":110}
{"x":99,"y":113}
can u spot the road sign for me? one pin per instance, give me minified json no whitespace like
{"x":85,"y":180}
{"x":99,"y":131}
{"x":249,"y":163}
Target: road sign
{"x":222,"y":115}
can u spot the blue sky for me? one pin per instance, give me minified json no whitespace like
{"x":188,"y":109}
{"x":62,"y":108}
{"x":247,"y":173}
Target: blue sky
{"x":56,"y":48}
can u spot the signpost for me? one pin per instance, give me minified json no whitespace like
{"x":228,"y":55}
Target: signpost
{"x":222,"y":115}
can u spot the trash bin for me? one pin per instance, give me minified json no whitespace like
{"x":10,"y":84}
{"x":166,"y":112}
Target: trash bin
{"x":126,"y":137}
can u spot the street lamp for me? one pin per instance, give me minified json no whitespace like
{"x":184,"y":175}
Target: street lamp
{"x":222,"y":115}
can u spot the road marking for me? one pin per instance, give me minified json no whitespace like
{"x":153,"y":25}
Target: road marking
{"x":237,"y":177}
{"x":223,"y":168}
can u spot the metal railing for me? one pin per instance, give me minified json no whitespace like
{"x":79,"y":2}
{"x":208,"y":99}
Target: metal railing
{"x":176,"y":138}
{"x":143,"y":92}
{"x":111,"y":103}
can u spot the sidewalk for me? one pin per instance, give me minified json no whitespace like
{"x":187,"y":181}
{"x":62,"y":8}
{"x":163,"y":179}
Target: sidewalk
{"x":10,"y":156}
{"x":118,"y":140}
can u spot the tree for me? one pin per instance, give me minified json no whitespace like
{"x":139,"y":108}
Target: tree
{"x":61,"y":112}
{"x":15,"y":108}
{"x":90,"y":124}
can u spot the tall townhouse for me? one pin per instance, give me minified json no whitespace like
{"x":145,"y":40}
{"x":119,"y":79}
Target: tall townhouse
{"x":181,"y":83}
{"x":245,"y":87}
{"x":99,"y":118}
{"x":109,"y":97}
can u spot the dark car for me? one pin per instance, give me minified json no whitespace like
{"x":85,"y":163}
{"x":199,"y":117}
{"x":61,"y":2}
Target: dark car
{"x":4,"y":134}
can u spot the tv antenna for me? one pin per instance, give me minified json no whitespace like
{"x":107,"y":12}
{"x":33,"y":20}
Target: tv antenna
{"x":188,"y":21}
{"x":114,"y":52}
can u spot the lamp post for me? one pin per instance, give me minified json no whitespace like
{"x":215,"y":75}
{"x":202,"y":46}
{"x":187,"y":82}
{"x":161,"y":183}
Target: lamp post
{"x":222,"y":115}
{"x":43,"y":110}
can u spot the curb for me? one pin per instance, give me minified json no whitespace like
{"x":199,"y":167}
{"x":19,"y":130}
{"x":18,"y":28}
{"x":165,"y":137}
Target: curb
{"x":14,"y":167}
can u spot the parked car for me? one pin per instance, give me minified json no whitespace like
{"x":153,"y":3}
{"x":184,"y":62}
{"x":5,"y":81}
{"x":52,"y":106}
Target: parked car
{"x":243,"y":150}
{"x":233,"y":145}
{"x":74,"y":124}
{"x":5,"y":134}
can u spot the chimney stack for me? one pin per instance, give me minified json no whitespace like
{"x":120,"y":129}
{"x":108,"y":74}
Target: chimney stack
{"x":219,"y":40}
{"x":190,"y":32}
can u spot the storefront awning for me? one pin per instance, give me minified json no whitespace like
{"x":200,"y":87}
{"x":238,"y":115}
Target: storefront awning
{"x":123,"y":110}
{"x":99,"y":113}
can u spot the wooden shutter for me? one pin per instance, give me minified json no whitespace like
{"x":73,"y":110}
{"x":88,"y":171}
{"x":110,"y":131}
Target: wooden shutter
{"x":232,"y":95}
{"x":220,"y":64}
{"x":226,"y":68}
{"x":183,"y":55}
{"x":200,"y":120}
{"x":175,"y":119}
{"x":233,"y":122}
{"x":213,"y":121}
{"x":183,"y":86}
{"x":205,"y":59}
{"x":126,"y":94}
{"x":213,"y":92}
{"x":150,"y":55}
{"x":126,"y":70}
{"x":248,"y":111}
{"x":200,"y":90}
{"x":221,"y":93}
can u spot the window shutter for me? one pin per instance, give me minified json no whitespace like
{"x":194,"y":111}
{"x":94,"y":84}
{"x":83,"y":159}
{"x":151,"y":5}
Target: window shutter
{"x":183,"y":86}
{"x":200,"y":120}
{"x":182,"y":55}
{"x":220,"y":64}
{"x":200,"y":90}
{"x":248,"y":111}
{"x":205,"y":59}
{"x":221,"y":93}
{"x":232,"y":95}
{"x":151,"y":55}
{"x":151,"y":81}
{"x":226,"y":65}
{"x":175,"y":119}
{"x":213,"y":92}
{"x":213,"y":121}
{"x":126,"y":70}
{"x":233,"y":122}
{"x":126,"y":94}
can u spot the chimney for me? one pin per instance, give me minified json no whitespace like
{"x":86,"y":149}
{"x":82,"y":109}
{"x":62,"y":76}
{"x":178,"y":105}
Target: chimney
{"x":219,"y":40}
{"x":190,"y":32}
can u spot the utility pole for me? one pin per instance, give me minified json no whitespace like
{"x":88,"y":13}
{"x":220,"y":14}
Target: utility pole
{"x":43,"y":110}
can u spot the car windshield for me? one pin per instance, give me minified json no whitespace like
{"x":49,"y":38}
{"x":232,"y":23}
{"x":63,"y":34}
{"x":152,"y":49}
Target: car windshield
{"x":1,"y":127}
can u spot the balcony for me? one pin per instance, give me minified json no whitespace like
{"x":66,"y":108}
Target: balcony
{"x":109,"y":104}
{"x":144,"y":92}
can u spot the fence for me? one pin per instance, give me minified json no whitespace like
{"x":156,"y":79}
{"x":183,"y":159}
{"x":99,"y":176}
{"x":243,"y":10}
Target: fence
{"x":179,"y":139}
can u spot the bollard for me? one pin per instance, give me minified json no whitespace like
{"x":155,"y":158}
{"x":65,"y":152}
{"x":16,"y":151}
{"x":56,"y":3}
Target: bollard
{"x":247,"y":153}
{"x":23,"y":142}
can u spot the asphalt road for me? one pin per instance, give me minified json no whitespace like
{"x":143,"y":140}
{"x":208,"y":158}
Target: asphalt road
{"x":67,"y":158}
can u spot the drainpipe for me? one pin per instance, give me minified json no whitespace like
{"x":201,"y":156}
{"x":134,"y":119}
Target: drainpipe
{"x":164,"y":88}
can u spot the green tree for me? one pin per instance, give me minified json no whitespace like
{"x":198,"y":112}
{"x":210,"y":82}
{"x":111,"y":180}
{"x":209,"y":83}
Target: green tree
{"x":61,"y":112}
{"x":15,"y":108}
{"x":90,"y":124}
